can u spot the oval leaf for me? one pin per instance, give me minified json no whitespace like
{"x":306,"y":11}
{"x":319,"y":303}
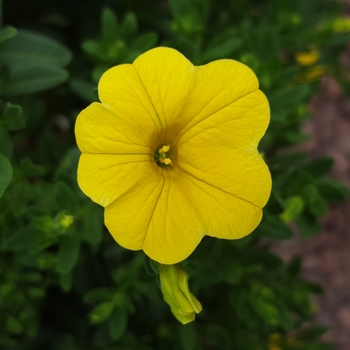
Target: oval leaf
{"x":30,"y":49}
{"x":35,"y":79}
{"x":68,"y":253}
{"x":5,"y":173}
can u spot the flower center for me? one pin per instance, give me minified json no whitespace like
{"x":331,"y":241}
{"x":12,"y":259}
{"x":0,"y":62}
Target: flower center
{"x":162,"y":156}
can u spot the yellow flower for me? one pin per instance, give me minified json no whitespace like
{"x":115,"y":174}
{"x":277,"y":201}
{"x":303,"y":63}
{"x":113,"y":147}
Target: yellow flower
{"x":274,"y":342}
{"x":174,"y":286}
{"x":312,"y":74}
{"x":307,"y":58}
{"x":171,"y":153}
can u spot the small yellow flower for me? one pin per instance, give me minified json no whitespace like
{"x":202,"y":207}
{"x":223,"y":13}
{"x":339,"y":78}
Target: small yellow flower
{"x":307,"y":58}
{"x":312,"y":74}
{"x":171,"y":153}
{"x":274,"y":342}
{"x":174,"y":286}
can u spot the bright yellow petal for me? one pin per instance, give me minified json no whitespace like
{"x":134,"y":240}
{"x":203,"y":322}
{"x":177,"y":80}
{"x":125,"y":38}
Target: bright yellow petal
{"x":168,"y":219}
{"x":109,"y":177}
{"x":128,"y":219}
{"x":121,"y":89}
{"x":239,"y":125}
{"x":217,"y":86}
{"x":222,"y":214}
{"x":160,"y":219}
{"x":99,"y":129}
{"x":221,"y":150}
{"x":168,"y":77}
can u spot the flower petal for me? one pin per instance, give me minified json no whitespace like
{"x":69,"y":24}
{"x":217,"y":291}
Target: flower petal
{"x":240,"y":125}
{"x":168,"y":77}
{"x":218,"y":85}
{"x":108,"y":177}
{"x":168,"y":219}
{"x":121,"y":89}
{"x":221,"y":150}
{"x":99,"y":129}
{"x":160,"y":219}
{"x":221,"y":214}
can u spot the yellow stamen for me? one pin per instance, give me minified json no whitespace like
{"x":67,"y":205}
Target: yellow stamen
{"x":164,"y":149}
{"x":165,"y":161}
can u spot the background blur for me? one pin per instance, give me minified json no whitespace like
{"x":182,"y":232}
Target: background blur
{"x":66,"y":285}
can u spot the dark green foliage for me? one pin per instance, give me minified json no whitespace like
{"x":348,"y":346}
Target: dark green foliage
{"x":65,"y":284}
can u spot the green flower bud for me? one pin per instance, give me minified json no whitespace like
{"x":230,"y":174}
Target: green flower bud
{"x":174,"y":286}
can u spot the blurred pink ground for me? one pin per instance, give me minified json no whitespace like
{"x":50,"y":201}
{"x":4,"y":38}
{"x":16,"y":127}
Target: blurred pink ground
{"x":327,"y":255}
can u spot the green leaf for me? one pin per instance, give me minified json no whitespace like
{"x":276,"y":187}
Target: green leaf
{"x":65,"y":197}
{"x":308,"y":225}
{"x":12,"y":119}
{"x":66,"y":282}
{"x":222,"y":46}
{"x":31,"y":169}
{"x":97,"y":73}
{"x":280,"y":99}
{"x":319,"y":167}
{"x":6,"y":143}
{"x":98,"y":295}
{"x":142,"y":43}
{"x":7,"y":33}
{"x":84,"y":89}
{"x":294,"y":182}
{"x":118,"y":323}
{"x":94,"y":49}
{"x":36,"y":293}
{"x":129,"y":26}
{"x":35,"y":79}
{"x":92,"y":226}
{"x":101,"y":312}
{"x":13,"y":325}
{"x":283,"y":162}
{"x":6,"y":173}
{"x":110,"y":26}
{"x":266,"y":310}
{"x":180,"y":8}
{"x":314,"y":200}
{"x":5,"y":77}
{"x":285,"y":317}
{"x":273,"y":227}
{"x":68,"y":252}
{"x":332,"y":191}
{"x":29,"y":49}
{"x":30,"y":238}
